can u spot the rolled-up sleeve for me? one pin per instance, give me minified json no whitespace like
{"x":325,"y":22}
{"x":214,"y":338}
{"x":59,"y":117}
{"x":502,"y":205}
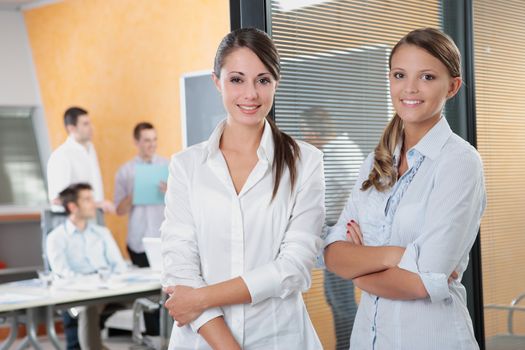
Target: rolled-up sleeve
{"x":180,"y":254}
{"x":453,"y":216}
{"x":291,"y":270}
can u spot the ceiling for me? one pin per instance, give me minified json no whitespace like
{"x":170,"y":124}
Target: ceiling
{"x":23,"y":4}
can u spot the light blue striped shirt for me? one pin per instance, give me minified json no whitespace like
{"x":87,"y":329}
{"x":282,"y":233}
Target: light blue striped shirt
{"x":437,"y":218}
{"x":71,"y":252}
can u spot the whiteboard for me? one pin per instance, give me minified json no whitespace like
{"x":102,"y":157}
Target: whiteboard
{"x":201,"y":107}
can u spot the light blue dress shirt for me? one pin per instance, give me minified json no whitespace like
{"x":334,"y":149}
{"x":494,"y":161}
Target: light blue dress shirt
{"x":434,"y":210}
{"x":72,"y":252}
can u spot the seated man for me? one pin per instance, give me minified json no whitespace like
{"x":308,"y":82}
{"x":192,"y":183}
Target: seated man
{"x":81,"y":247}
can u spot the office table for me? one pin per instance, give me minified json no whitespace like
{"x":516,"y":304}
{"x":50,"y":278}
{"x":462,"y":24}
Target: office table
{"x":31,"y":297}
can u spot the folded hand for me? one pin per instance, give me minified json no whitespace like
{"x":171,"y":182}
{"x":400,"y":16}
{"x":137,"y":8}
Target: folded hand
{"x":184,"y":304}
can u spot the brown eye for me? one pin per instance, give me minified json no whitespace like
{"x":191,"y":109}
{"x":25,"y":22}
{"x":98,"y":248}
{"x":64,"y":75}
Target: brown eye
{"x":398,"y":75}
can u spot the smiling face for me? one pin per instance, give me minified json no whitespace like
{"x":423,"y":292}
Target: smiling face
{"x":147,"y":143}
{"x":420,"y":84}
{"x":247,"y":87}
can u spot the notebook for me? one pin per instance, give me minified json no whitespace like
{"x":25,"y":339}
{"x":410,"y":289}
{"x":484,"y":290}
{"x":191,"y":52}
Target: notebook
{"x":152,"y":249}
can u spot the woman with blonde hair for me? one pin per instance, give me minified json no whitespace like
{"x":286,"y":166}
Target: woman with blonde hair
{"x":422,"y":190}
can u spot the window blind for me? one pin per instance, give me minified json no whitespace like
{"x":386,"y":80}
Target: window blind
{"x":499,"y":47}
{"x":21,"y":177}
{"x":334,"y":94}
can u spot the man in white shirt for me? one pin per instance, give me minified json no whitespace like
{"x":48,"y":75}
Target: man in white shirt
{"x":80,"y":247}
{"x":76,"y":160}
{"x":344,"y":155}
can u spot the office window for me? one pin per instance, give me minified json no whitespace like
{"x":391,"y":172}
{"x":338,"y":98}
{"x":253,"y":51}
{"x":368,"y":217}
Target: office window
{"x":334,"y":94}
{"x":499,"y":43}
{"x":21,"y":176}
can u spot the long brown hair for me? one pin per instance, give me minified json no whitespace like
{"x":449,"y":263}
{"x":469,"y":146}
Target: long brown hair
{"x":441,"y":46}
{"x":286,"y":151}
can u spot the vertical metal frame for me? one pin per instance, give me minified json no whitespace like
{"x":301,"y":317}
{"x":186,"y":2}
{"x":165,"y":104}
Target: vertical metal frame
{"x":458,"y":23}
{"x":461,"y":112}
{"x":248,"y":13}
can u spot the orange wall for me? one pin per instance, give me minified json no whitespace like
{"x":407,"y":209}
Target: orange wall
{"x":122,"y":61}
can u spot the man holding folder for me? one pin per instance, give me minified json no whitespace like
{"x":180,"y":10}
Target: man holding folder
{"x":139,"y":191}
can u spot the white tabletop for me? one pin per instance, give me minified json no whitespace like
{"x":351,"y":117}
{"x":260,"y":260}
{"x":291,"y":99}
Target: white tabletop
{"x":31,"y":293}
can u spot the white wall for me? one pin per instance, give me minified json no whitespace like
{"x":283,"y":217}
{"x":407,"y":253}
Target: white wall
{"x":18,"y":85}
{"x":18,"y":82}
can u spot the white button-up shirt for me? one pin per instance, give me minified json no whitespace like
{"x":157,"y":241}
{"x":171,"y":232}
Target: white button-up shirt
{"x":437,"y":220}
{"x":72,"y":163}
{"x":211,"y":234}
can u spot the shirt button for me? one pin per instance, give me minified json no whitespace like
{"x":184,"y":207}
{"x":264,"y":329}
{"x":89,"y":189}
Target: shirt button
{"x":411,"y":153}
{"x":373,"y":329}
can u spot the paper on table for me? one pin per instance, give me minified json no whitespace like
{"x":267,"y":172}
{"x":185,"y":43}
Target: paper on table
{"x":146,"y":190}
{"x":12,"y":298}
{"x":87,"y":287}
{"x":140,"y":277}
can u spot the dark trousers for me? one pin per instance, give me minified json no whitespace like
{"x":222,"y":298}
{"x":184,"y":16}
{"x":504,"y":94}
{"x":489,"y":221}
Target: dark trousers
{"x":71,"y":325}
{"x":151,"y":319}
{"x":138,"y":259}
{"x":70,"y":331}
{"x":339,"y":295}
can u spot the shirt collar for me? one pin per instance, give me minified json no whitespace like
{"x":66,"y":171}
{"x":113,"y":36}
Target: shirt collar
{"x":71,"y":228}
{"x":266,"y":147}
{"x":71,"y":141}
{"x":433,"y":142}
{"x":429,"y":146}
{"x":264,"y":152}
{"x":139,"y":160}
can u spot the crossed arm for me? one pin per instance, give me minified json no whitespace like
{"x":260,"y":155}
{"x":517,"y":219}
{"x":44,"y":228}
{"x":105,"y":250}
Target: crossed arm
{"x":373,"y":269}
{"x":186,"y":304}
{"x":426,"y":266}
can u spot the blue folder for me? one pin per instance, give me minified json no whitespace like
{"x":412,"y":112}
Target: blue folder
{"x":146,"y":190}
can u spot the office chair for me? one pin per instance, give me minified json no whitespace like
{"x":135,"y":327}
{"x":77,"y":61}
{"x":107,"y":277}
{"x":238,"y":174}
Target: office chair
{"x":146,"y":305}
{"x":509,"y":340}
{"x":140,"y":306}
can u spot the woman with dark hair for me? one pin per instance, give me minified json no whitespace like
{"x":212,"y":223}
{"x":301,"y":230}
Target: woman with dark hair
{"x":244,"y":216}
{"x":422,"y":189}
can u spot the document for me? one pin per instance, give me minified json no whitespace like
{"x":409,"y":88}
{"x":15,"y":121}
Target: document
{"x":146,"y":189}
{"x":15,"y":298}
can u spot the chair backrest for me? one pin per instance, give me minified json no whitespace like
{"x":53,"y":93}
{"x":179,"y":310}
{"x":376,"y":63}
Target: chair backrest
{"x":49,"y":220}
